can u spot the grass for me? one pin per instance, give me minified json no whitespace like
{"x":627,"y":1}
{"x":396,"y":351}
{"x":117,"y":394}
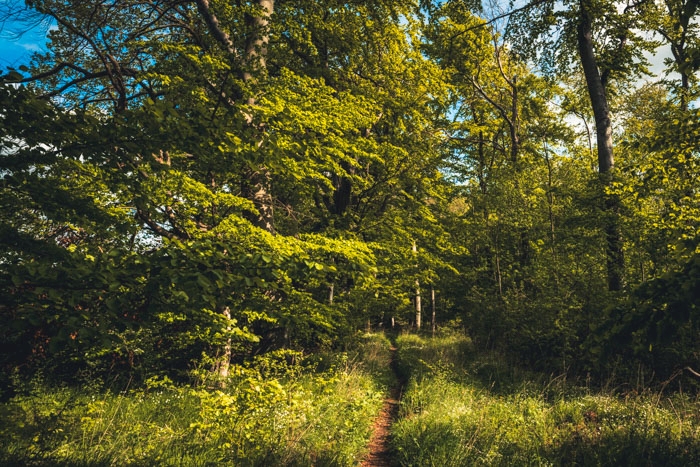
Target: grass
{"x":315,"y":411}
{"x":459,"y":408}
{"x":463,"y":409}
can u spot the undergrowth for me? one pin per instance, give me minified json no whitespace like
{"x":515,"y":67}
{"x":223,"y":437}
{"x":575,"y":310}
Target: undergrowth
{"x":462,"y":409}
{"x":282,"y":409}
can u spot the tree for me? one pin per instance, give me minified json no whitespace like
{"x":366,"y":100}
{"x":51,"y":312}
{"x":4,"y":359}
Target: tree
{"x":676,"y":26}
{"x":616,"y":57}
{"x":248,"y":174}
{"x":516,"y":173}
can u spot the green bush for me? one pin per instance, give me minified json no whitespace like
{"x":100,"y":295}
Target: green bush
{"x":283,"y":409}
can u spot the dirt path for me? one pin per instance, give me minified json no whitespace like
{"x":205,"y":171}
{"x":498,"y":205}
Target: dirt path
{"x":379,"y":447}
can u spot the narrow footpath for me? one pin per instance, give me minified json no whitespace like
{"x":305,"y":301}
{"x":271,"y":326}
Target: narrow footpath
{"x":379,"y":445}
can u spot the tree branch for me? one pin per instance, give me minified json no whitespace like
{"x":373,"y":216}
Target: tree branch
{"x":212,"y":23}
{"x":53,"y":71}
{"x":154,"y":225}
{"x":504,"y":15}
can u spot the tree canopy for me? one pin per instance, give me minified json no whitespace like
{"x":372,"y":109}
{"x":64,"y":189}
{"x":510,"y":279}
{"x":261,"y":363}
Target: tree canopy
{"x":189,"y":183}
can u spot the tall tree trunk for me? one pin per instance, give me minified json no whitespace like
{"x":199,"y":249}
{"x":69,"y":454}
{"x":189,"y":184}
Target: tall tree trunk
{"x":418,"y":304}
{"x":606,"y":162}
{"x":258,"y":181}
{"x":432,"y":303}
{"x":255,"y":64}
{"x":256,"y":45}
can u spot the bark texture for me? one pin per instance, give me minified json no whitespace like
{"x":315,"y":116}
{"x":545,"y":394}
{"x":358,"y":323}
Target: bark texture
{"x":606,"y":161}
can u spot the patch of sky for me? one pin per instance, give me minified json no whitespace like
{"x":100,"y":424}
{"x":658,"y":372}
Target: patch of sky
{"x":23,"y":32}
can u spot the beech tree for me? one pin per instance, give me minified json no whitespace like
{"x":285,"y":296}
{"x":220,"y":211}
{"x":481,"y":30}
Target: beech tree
{"x":250,"y":167}
{"x":608,"y":43}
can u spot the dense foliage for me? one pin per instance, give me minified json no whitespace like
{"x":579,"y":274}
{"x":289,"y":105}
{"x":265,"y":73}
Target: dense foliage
{"x":188,"y":185}
{"x":279,"y":410}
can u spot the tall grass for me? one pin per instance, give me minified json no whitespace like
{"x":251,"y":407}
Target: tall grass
{"x":463,"y":409}
{"x":314,"y":411}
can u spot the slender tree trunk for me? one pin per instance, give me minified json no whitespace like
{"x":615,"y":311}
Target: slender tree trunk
{"x":418,"y":304}
{"x":223,"y":361}
{"x":596,"y":91}
{"x":497,"y":272}
{"x":550,"y":199}
{"x":432,"y":303}
{"x":606,"y":162}
{"x":681,"y":13}
{"x":515,"y":125}
{"x":685,"y":91}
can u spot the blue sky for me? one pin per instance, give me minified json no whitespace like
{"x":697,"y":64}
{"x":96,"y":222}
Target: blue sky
{"x":17,"y":42}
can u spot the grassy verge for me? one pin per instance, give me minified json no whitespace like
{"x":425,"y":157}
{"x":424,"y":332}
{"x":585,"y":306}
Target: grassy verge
{"x":462,"y":409}
{"x":279,"y":411}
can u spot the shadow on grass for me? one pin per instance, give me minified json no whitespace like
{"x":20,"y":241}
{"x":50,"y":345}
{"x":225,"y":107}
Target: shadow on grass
{"x":463,"y":409}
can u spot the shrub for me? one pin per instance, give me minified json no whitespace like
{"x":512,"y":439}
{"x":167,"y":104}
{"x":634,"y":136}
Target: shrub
{"x":282,"y":409}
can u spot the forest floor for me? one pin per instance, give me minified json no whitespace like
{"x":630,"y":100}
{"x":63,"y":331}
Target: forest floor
{"x":464,"y":407}
{"x":440,"y":402}
{"x":380,"y":442}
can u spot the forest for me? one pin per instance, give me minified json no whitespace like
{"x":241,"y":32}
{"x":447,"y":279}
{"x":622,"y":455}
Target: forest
{"x":231,"y":230}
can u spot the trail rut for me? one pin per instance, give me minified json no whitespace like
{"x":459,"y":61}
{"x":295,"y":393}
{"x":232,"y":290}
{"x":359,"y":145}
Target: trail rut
{"x":380,"y":442}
